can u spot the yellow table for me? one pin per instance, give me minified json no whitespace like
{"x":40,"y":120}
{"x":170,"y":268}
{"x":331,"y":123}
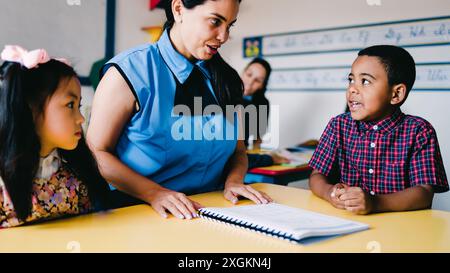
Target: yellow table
{"x":140,"y":229}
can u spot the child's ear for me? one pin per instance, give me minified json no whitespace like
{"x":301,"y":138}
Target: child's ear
{"x":177,"y":8}
{"x":398,"y":94}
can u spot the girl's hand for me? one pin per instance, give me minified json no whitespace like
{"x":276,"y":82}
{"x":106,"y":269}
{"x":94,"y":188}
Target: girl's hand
{"x":175,"y":202}
{"x":357,"y":201}
{"x":335,"y":193}
{"x":235,"y":189}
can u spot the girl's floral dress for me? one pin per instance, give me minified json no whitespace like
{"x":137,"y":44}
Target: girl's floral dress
{"x":56,"y":192}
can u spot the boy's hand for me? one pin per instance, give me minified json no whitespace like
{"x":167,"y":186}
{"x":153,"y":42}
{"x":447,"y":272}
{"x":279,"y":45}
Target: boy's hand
{"x":357,"y":201}
{"x":334,"y":193}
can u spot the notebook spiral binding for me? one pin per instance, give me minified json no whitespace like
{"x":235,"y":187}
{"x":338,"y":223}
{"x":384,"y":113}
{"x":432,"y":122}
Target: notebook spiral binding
{"x":215,"y":217}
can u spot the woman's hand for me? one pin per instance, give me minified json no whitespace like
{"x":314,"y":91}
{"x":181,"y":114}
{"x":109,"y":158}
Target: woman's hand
{"x":176,"y":203}
{"x":235,"y":189}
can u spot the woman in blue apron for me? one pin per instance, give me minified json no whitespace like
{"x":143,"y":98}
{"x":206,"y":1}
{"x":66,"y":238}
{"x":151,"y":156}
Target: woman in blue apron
{"x":149,"y":149}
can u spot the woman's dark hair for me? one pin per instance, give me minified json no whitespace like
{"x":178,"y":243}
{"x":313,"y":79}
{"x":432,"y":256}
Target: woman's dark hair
{"x":227,"y":83}
{"x":259,"y":94}
{"x":24,"y":92}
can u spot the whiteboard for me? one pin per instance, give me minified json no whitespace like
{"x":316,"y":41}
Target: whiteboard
{"x":433,"y":76}
{"x":409,"y":33}
{"x":320,"y":60}
{"x":72,"y":29}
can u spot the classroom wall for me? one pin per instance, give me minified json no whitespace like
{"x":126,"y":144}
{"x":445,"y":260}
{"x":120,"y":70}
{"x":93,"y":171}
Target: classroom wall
{"x":309,"y":112}
{"x":131,"y":16}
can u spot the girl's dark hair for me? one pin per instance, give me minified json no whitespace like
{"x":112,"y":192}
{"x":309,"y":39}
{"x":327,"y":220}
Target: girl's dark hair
{"x":24,"y":92}
{"x":259,"y":94}
{"x":227,"y":83}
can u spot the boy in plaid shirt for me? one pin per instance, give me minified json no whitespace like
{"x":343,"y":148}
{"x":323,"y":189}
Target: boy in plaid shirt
{"x":375,"y":158}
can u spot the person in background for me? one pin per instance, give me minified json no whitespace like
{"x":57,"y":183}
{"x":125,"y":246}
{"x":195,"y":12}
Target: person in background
{"x":255,"y":78}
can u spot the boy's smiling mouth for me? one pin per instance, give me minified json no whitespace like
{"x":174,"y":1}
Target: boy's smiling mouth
{"x":354,"y":105}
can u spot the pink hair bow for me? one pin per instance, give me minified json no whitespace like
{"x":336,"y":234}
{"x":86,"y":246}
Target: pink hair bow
{"x":29,"y":59}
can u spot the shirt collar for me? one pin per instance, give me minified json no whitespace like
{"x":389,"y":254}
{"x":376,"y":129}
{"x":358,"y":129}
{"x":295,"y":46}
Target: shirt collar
{"x":382,"y":126}
{"x":49,"y":165}
{"x":51,"y":156}
{"x":177,"y":63}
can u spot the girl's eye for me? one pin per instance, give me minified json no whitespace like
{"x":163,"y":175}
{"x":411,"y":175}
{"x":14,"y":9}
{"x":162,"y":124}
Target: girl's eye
{"x":365,"y":82}
{"x":70,"y":105}
{"x":350,"y":80}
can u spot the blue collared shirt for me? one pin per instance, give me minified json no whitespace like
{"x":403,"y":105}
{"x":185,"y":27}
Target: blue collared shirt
{"x":147,"y":144}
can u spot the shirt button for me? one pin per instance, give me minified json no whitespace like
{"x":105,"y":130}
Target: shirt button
{"x":371,"y":171}
{"x":372,"y":145}
{"x":372,"y":193}
{"x":375,"y":127}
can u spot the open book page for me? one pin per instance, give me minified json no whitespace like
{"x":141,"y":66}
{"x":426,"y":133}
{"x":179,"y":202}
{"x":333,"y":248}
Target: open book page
{"x":297,"y":223}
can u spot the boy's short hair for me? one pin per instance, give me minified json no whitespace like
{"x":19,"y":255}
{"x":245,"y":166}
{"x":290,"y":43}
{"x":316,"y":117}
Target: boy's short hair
{"x":399,"y":64}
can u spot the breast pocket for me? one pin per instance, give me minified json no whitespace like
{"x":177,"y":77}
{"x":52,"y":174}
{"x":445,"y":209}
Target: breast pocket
{"x":349,"y":170}
{"x":394,"y":176}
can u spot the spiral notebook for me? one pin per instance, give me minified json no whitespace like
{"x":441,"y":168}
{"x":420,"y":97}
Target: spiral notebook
{"x":293,"y":224}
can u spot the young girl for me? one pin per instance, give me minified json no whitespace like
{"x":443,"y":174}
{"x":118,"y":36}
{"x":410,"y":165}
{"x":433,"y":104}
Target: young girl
{"x":46,"y":169}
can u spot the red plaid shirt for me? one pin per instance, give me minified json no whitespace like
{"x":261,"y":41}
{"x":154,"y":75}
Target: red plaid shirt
{"x":382,"y":157}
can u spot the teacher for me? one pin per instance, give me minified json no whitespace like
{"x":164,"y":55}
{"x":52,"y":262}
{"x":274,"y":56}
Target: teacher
{"x":132,"y":129}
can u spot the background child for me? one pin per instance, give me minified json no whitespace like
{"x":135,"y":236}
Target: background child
{"x":46,"y":169}
{"x":384,"y":160}
{"x":255,"y":78}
